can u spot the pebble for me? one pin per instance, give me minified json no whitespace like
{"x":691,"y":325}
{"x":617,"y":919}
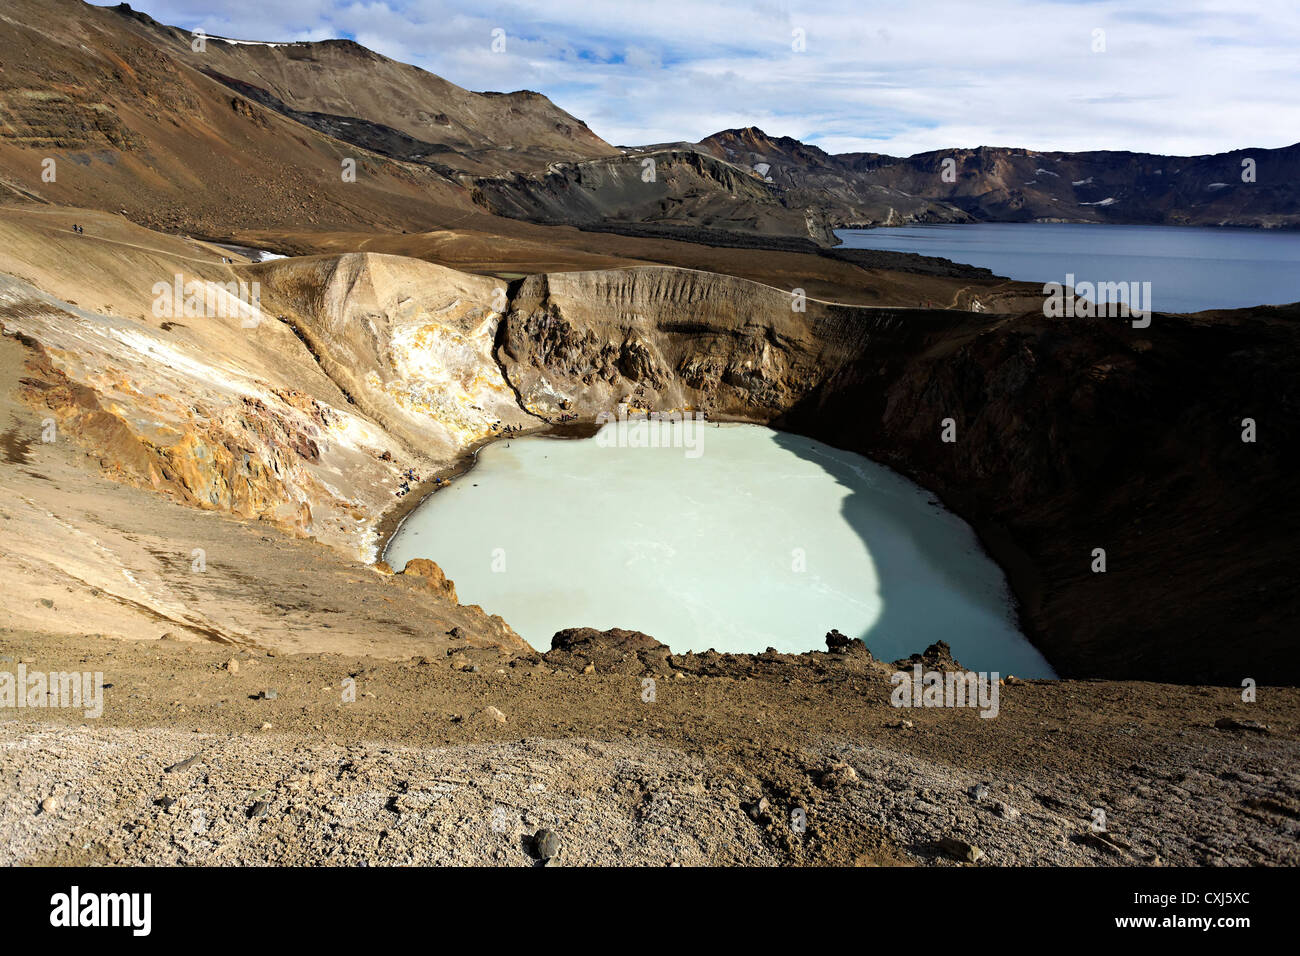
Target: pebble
{"x":495,"y":714}
{"x":547,"y":844}
{"x":268,"y":695}
{"x":1006,"y":811}
{"x":838,"y":774}
{"x":961,"y":849}
{"x":1232,"y":723}
{"x":979,"y":792}
{"x":232,"y":666}
{"x":49,"y":804}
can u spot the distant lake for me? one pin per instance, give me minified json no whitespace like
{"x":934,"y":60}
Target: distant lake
{"x":1190,"y":268}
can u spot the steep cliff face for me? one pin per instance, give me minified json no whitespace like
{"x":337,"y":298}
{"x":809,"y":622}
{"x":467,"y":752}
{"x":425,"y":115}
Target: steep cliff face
{"x":656,"y":338}
{"x":674,"y":339}
{"x":1076,"y":435}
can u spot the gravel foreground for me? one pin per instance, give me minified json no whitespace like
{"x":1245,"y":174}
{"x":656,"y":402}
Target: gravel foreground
{"x":777,"y":770}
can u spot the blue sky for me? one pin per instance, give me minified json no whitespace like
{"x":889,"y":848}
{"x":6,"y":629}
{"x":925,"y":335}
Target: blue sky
{"x":892,"y":76}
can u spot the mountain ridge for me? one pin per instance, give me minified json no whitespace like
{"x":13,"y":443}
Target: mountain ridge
{"x":996,"y":183}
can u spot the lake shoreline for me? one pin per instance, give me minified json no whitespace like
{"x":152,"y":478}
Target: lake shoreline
{"x":1191,"y":269}
{"x":887,"y":561}
{"x":1256,"y":227}
{"x":390,"y":522}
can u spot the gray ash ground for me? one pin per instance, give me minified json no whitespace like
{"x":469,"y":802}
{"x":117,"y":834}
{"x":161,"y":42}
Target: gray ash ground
{"x":761,"y":760}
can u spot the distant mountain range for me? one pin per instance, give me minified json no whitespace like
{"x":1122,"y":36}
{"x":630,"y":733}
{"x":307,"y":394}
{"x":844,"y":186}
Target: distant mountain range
{"x":245,"y":132}
{"x":997,"y":184}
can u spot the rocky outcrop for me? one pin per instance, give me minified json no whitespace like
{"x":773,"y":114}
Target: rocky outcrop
{"x":409,"y":342}
{"x":432,"y":577}
{"x":617,"y":651}
{"x":936,"y":657}
{"x":35,"y":118}
{"x":614,"y":651}
{"x":838,"y":643}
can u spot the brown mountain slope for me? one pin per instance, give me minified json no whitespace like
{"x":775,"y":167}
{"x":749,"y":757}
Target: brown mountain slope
{"x":129,"y":128}
{"x":537,"y":162}
{"x":480,"y":132}
{"x":246,"y":136}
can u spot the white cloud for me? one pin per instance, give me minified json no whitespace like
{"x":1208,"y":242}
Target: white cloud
{"x":895,"y":76}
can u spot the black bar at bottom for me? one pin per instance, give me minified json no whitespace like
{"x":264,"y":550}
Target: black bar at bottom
{"x":330,"y":905}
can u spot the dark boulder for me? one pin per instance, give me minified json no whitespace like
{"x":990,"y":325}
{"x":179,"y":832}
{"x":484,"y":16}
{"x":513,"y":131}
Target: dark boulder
{"x":615,"y":651}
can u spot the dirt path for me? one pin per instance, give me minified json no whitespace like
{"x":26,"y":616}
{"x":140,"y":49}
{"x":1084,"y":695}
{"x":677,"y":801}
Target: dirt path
{"x":63,"y":213}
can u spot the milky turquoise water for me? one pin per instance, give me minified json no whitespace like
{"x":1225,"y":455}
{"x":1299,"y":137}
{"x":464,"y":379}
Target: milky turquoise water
{"x":751,"y":539}
{"x":1190,"y":268}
